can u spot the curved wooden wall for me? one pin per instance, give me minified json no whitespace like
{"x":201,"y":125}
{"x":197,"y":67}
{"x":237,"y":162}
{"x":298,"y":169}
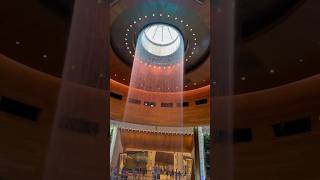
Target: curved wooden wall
{"x":289,"y":157}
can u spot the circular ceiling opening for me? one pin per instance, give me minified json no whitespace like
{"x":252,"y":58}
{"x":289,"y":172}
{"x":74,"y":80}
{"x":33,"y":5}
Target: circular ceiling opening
{"x":161,"y":39}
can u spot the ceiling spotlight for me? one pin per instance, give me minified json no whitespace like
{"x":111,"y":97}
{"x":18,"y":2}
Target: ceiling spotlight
{"x":243,"y":78}
{"x":128,"y":30}
{"x":130,"y":52}
{"x":190,"y":29}
{"x":195,"y":44}
{"x":146,"y":17}
{"x":181,"y":21}
{"x":195,"y":84}
{"x":301,"y":60}
{"x":187,"y":25}
{"x":153,"y":14}
{"x":272,"y":71}
{"x":115,"y":75}
{"x":44,"y":56}
{"x":175,"y":18}
{"x":186,"y":86}
{"x":130,"y":25}
{"x":193,"y":34}
{"x":168,"y":15}
{"x":125,"y":39}
{"x":18,"y":43}
{"x":160,"y":14}
{"x":124,"y":79}
{"x":139,"y":19}
{"x":134,"y":22}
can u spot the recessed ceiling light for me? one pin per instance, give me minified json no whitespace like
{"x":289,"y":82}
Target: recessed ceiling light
{"x":130,"y":25}
{"x":44,"y":56}
{"x":272,"y":71}
{"x":195,"y":84}
{"x":175,"y":18}
{"x":128,"y":29}
{"x":186,"y":86}
{"x":301,"y":60}
{"x":243,"y":78}
{"x":145,"y":16}
{"x":18,"y":43}
{"x":160,"y":14}
{"x":181,"y":21}
{"x":124,"y":79}
{"x":190,"y":29}
{"x":168,"y":15}
{"x":153,"y":14}
{"x":187,"y":25}
{"x":115,"y":74}
{"x":134,"y":22}
{"x":139,"y":19}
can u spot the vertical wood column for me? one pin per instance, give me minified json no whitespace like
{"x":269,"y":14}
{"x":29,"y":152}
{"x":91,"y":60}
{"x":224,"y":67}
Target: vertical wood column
{"x":196,"y":160}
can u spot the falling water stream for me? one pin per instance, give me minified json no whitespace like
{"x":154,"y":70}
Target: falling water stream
{"x":155,"y":94}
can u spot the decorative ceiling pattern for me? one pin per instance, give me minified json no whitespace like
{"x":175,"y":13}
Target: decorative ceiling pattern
{"x":35,"y":33}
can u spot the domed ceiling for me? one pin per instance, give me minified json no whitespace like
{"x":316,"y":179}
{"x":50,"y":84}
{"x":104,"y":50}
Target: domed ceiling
{"x":279,"y":42}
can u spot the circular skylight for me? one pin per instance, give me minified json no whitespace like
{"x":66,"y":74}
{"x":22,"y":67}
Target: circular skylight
{"x":161,"y":39}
